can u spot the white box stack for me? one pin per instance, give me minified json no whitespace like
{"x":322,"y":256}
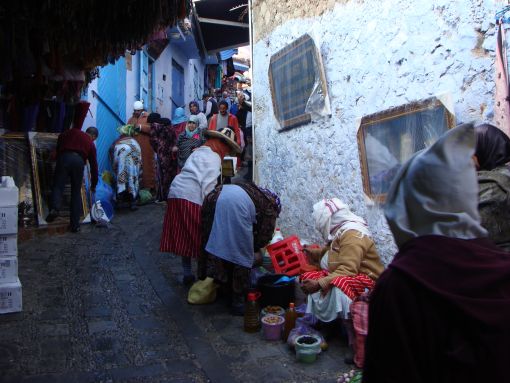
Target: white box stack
{"x":10,"y":286}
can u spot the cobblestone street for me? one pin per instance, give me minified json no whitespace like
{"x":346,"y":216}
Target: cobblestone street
{"x":105,"y":306}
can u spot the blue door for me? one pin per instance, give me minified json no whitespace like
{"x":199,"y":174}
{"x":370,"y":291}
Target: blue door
{"x":111,"y":109}
{"x":177,"y":86}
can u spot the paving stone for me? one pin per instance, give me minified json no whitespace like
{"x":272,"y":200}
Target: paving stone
{"x":99,"y":312}
{"x":55,"y":346}
{"x":9,"y":353}
{"x":146,"y":324}
{"x":56,"y":329}
{"x":92,"y":300}
{"x":154,"y":340}
{"x":124,"y":277}
{"x":134,"y":308}
{"x":101,"y":326}
{"x":106,"y":344}
{"x":53,"y":314}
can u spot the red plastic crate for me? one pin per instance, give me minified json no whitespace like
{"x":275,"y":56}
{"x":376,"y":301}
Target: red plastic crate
{"x":287,"y":256}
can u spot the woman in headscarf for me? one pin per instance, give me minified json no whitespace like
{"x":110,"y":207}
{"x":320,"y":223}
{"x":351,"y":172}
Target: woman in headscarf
{"x":237,"y":221}
{"x":164,"y":142}
{"x":189,"y":140}
{"x":126,"y":157}
{"x":179,"y":121}
{"x":182,"y":225}
{"x":194,"y":110}
{"x":491,"y":157}
{"x":349,"y":264}
{"x":440,"y":312}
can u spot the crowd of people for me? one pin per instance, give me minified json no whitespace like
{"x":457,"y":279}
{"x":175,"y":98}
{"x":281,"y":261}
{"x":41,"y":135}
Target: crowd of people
{"x":442,"y":305}
{"x":159,"y":147}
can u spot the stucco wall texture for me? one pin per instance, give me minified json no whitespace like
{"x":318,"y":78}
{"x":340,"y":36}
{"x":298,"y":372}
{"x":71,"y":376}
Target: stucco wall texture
{"x":376,"y":55}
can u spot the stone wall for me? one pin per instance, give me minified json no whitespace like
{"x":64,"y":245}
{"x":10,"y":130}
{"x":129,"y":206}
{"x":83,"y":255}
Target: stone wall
{"x":376,"y":55}
{"x":267,"y":15}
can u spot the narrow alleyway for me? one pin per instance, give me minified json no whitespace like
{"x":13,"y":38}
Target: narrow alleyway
{"x":105,"y":306}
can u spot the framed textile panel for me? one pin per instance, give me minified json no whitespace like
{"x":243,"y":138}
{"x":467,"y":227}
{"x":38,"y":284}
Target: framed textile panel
{"x":389,"y":138}
{"x":298,"y":84}
{"x":43,"y":160}
{"x":15,"y":161}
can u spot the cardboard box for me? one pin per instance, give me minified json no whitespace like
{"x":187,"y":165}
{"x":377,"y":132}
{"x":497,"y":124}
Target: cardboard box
{"x":8,"y":245}
{"x":10,"y":297}
{"x":9,"y":193}
{"x":8,"y":219}
{"x":8,"y":269}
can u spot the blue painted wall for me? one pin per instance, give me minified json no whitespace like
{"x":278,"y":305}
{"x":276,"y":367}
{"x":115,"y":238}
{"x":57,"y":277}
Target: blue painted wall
{"x":111,"y":89}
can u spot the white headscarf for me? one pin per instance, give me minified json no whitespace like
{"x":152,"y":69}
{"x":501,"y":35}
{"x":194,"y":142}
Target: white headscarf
{"x":436,"y":191}
{"x":333,"y":218}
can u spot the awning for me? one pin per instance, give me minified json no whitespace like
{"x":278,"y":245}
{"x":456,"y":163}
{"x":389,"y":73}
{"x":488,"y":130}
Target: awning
{"x":224,"y":24}
{"x":240,"y":67}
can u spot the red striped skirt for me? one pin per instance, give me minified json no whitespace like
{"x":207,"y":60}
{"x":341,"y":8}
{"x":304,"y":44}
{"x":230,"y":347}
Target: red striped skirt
{"x":181,"y":228}
{"x":353,"y":286}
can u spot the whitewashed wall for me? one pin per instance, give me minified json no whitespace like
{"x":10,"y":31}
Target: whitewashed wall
{"x":132,"y":84}
{"x":195,"y":85}
{"x":163,"y":88}
{"x":377,"y":55}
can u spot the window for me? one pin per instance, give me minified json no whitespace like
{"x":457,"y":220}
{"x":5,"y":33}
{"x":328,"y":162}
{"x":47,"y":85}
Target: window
{"x":297,"y":82}
{"x":389,"y":138}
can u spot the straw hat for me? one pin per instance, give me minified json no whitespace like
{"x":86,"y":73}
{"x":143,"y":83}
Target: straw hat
{"x":225,"y":134}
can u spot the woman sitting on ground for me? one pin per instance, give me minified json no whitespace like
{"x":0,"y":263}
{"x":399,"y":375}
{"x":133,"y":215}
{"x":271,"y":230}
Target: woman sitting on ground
{"x":182,"y":224}
{"x":237,"y":221}
{"x":189,"y":140}
{"x":491,"y":157}
{"x":350,"y":264}
{"x":126,"y":157}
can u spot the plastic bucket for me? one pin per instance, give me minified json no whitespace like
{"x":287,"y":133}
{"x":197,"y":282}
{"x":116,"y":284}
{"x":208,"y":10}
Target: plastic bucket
{"x":275,"y":295}
{"x":307,"y":348}
{"x":273,"y":310}
{"x":272,"y":327}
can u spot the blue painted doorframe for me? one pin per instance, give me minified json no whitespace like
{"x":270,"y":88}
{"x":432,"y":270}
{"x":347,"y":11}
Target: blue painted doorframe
{"x":112,"y":90}
{"x":144,"y":79}
{"x":177,"y":86}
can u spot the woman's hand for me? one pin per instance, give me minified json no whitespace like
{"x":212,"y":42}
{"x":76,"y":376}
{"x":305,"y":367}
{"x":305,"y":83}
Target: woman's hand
{"x":309,"y":286}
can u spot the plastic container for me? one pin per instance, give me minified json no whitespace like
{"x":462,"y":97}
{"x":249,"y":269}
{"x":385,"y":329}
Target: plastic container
{"x":275,"y":295}
{"x":252,"y":313}
{"x":287,"y":256}
{"x":277,"y":236}
{"x":272,"y":327}
{"x":273,"y":310}
{"x":307,"y":348}
{"x":290,"y":320}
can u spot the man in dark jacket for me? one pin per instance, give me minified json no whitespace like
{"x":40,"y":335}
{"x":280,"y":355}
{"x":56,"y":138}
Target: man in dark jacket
{"x":74,"y":148}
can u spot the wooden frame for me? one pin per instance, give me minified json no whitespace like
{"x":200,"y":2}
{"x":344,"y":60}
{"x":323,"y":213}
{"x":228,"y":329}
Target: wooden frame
{"x":388,"y":138}
{"x":43,"y":159}
{"x":15,"y":161}
{"x":293,"y":75}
